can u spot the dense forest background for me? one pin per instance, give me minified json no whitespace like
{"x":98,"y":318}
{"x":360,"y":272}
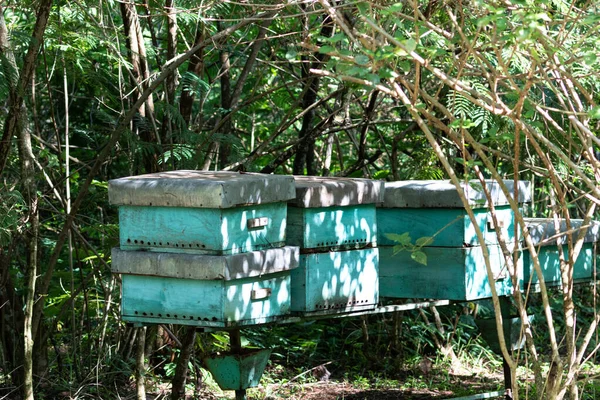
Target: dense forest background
{"x":92,"y":90}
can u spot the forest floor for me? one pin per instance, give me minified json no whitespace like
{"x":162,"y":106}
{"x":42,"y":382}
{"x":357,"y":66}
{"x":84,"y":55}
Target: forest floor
{"x":433,"y":386}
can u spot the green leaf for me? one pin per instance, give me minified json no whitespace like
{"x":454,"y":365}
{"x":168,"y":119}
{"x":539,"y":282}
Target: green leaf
{"x":364,"y":8}
{"x":396,"y":7}
{"x":595,"y":113}
{"x":590,"y":58}
{"x":424,"y":241}
{"x":419,"y":257}
{"x":361,"y":59}
{"x":405,"y":66}
{"x":291,"y":54}
{"x":403,"y":239}
{"x":384,"y":173}
{"x":374,"y":78}
{"x":462,"y":123}
{"x":410,"y":44}
{"x":326,"y":49}
{"x":337,"y":38}
{"x":387,"y":73}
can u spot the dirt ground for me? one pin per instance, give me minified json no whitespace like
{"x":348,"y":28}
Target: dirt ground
{"x":339,"y":391}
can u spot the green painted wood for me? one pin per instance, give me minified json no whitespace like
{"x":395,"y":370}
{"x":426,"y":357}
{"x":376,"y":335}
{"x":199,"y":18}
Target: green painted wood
{"x":214,"y":303}
{"x":548,"y":256}
{"x":515,"y":339}
{"x":238,"y":371}
{"x":344,"y":227}
{"x":335,"y":282}
{"x":202,"y":230}
{"x":451,"y":227}
{"x":450,"y":273}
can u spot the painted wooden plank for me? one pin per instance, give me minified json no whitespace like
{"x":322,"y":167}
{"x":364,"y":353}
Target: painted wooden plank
{"x":450,"y":227}
{"x":335,"y":282}
{"x":548,"y":257}
{"x":314,"y":191}
{"x":450,"y":273}
{"x":204,"y":303}
{"x":334,"y":228}
{"x":205,"y":267}
{"x":202,"y":230}
{"x":237,"y":371}
{"x":543,"y":230}
{"x":443,"y":194}
{"x":205,"y":189}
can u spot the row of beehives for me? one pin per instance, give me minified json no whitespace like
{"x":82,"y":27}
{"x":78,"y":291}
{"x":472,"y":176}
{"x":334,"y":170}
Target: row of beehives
{"x":218,"y":249}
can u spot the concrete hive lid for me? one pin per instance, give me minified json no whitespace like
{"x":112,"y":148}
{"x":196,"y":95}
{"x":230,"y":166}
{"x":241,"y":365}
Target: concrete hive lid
{"x":204,"y":189}
{"x":315,"y":191}
{"x":543,"y":232}
{"x":205,"y":267}
{"x":443,"y":194}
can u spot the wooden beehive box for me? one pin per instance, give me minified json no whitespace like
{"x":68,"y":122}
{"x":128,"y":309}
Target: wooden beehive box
{"x":453,"y":273}
{"x":336,"y":281}
{"x":333,"y":220}
{"x":202,"y":212}
{"x":333,"y":213}
{"x":455,"y":266}
{"x":544,"y":237}
{"x":204,"y":290}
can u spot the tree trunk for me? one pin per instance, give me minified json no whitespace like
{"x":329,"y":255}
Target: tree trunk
{"x":30,"y":190}
{"x":12,"y":318}
{"x":305,"y":153}
{"x":22,"y":79}
{"x":178,"y":384}
{"x":140,"y":77}
{"x":195,"y":67}
{"x":140,"y":364}
{"x":166,"y":136}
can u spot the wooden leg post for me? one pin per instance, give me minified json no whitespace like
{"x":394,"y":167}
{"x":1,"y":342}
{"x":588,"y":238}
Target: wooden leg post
{"x":505,"y":308}
{"x":507,"y":380}
{"x":235,"y":341}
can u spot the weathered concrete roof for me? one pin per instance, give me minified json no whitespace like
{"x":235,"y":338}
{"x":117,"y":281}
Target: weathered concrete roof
{"x":314,"y":191}
{"x":205,"y":267}
{"x":543,"y":231}
{"x":205,"y":189}
{"x":443,"y":194}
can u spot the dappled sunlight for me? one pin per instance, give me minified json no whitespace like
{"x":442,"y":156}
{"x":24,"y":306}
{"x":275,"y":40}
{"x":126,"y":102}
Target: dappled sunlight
{"x":336,"y":281}
{"x":333,"y":220}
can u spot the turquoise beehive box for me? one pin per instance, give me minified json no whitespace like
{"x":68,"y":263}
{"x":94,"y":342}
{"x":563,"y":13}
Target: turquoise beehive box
{"x":333,"y":221}
{"x":544,"y":237}
{"x":203,"y":248}
{"x":203,"y":290}
{"x":455,"y":267}
{"x":202,"y":212}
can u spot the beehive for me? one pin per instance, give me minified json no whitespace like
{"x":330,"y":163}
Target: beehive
{"x":333,"y":220}
{"x":544,"y":237}
{"x":431,"y":212}
{"x":203,"y":248}
{"x":201,"y":212}
{"x":204,"y":290}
